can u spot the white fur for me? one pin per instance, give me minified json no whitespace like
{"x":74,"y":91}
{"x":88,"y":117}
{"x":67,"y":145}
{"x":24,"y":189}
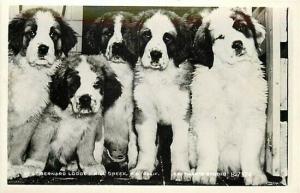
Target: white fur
{"x":44,"y":21}
{"x":159,"y":25}
{"x":99,"y":147}
{"x":68,"y":134}
{"x":160,"y":99}
{"x":229,"y":102}
{"x":28,"y":90}
{"x":117,"y":36}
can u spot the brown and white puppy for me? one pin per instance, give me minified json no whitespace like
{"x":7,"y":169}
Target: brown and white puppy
{"x":111,"y":35}
{"x":229,"y":97}
{"x":38,"y":38}
{"x":161,"y":91}
{"x":73,"y":126}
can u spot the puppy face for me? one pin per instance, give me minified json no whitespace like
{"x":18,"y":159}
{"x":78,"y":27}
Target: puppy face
{"x":111,"y":35}
{"x":162,"y":39}
{"x":41,"y":36}
{"x":228,"y":34}
{"x":79,"y":86}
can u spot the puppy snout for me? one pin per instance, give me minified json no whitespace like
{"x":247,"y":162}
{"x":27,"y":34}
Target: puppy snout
{"x":42,"y":50}
{"x":155,"y":55}
{"x":85,"y":101}
{"x":237,"y":45}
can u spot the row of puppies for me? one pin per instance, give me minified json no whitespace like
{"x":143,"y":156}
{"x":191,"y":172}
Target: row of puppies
{"x":162,"y":77}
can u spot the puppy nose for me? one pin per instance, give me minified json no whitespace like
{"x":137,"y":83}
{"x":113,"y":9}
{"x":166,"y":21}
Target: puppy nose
{"x":85,"y":101}
{"x":155,"y":55}
{"x":237,"y":45}
{"x":116,"y":46}
{"x":43,"y":50}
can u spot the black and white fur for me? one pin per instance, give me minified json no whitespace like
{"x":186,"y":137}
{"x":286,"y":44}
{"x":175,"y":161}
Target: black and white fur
{"x":229,"y":96}
{"x":111,"y":35}
{"x":72,"y":127}
{"x":38,"y":38}
{"x":161,"y":91}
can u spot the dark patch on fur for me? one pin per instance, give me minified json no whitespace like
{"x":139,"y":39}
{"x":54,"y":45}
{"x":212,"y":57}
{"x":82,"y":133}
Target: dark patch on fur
{"x":63,"y":87}
{"x":138,"y":115}
{"x":243,"y":24}
{"x":112,"y":90}
{"x":202,"y":52}
{"x":193,"y":21}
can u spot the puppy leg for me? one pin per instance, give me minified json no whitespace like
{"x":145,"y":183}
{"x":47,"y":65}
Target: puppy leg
{"x":85,"y":152}
{"x":180,"y":170}
{"x":207,"y":152}
{"x":132,"y":150}
{"x":19,"y":142}
{"x":253,"y":140}
{"x":146,"y":130}
{"x":40,"y":148}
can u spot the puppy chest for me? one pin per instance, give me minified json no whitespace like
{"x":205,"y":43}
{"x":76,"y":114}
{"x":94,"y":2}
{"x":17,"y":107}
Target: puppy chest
{"x":169,"y":101}
{"x":28,"y":92}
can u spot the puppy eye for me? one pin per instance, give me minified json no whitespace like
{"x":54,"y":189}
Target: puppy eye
{"x":30,"y":34}
{"x":98,"y":84}
{"x":220,"y":37}
{"x":54,"y":35}
{"x":147,"y":34}
{"x":239,"y":26}
{"x":168,"y":38}
{"x":107,"y":33}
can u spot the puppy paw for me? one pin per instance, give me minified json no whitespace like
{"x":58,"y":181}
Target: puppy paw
{"x":141,"y":173}
{"x":94,"y":170}
{"x":257,"y":178}
{"x":73,"y":167}
{"x":201,"y":177}
{"x":13,"y":171}
{"x":30,"y":170}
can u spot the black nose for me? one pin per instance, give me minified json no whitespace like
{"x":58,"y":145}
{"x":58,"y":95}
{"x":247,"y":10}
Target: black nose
{"x":43,"y":50}
{"x":85,"y":101}
{"x":117,"y":48}
{"x":237,"y":45}
{"x":155,"y":55}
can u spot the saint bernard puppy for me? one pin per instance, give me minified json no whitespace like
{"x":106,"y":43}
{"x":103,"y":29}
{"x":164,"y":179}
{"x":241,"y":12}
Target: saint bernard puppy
{"x":73,"y":126}
{"x":38,"y":38}
{"x":161,"y":91}
{"x":111,"y":35}
{"x":229,"y":96}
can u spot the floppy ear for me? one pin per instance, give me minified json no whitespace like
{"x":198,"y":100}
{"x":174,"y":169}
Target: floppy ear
{"x":93,"y":36}
{"x":259,"y":31}
{"x":131,"y":41}
{"x":184,"y":42}
{"x":68,"y":36}
{"x":15,"y":34}
{"x":59,"y":88}
{"x":202,"y":52}
{"x":112,"y":89}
